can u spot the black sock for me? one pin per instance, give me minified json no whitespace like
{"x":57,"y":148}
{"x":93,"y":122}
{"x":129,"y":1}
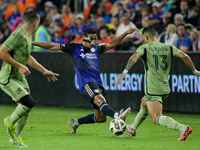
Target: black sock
{"x":107,"y":110}
{"x":91,"y":118}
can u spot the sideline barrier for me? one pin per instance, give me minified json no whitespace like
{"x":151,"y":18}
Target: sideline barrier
{"x":184,"y":85}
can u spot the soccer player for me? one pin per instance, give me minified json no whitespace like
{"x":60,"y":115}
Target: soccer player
{"x":86,"y":59}
{"x":15,"y":53}
{"x":156,"y":57}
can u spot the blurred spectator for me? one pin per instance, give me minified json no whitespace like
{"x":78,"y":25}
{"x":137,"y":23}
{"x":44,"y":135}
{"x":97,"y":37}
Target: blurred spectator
{"x":158,"y":25}
{"x":54,"y":13}
{"x":100,"y":25}
{"x":144,"y":11}
{"x":198,"y":3}
{"x":178,"y":19}
{"x":108,"y":5}
{"x":145,"y":22}
{"x":133,"y":15}
{"x":3,"y":37}
{"x":171,"y":36}
{"x":102,"y":13}
{"x":42,"y":33}
{"x":78,"y":37}
{"x":9,"y":10}
{"x":58,"y":37}
{"x":175,"y":7}
{"x":185,"y":10}
{"x":183,"y":43}
{"x":114,"y":24}
{"x":105,"y":38}
{"x":87,"y":10}
{"x":197,"y":43}
{"x":29,"y":3}
{"x":166,"y":19}
{"x":123,"y":27}
{"x":3,"y":7}
{"x":156,"y":10}
{"x":15,"y":14}
{"x":194,"y":35}
{"x":120,"y":10}
{"x":194,"y":16}
{"x":47,"y":7}
{"x":40,"y":8}
{"x":80,"y":24}
{"x":67,"y":16}
{"x":17,"y":24}
{"x":114,"y":9}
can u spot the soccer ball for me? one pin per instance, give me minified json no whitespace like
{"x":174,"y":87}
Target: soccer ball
{"x":117,"y":126}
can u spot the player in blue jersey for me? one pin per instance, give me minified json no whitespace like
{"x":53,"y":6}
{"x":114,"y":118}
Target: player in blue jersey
{"x":86,"y":63}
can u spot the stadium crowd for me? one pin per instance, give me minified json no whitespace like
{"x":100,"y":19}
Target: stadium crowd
{"x":177,"y":21}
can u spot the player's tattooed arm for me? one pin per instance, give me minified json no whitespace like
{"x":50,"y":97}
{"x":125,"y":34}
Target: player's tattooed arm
{"x":132,"y":60}
{"x":130,"y":64}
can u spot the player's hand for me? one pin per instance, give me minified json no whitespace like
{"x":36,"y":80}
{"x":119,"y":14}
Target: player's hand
{"x":50,"y":75}
{"x":24,"y":70}
{"x":131,"y":30}
{"x":198,"y":73}
{"x":119,"y":80}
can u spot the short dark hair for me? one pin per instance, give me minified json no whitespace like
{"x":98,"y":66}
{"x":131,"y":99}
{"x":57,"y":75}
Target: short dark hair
{"x":182,"y":26}
{"x":90,"y":30}
{"x":30,"y":16}
{"x":149,"y":30}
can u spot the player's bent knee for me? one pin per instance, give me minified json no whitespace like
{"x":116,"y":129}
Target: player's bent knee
{"x":27,"y":101}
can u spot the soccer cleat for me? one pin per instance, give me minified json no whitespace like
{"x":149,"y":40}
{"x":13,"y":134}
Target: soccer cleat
{"x":19,"y":142}
{"x":124,"y":114}
{"x":10,"y":128}
{"x":73,"y":126}
{"x":131,"y":130}
{"x":188,"y":130}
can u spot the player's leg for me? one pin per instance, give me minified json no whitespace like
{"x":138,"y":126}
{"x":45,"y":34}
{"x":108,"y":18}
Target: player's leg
{"x":22,"y":121}
{"x":141,"y":116}
{"x":17,"y":92}
{"x":155,"y":110}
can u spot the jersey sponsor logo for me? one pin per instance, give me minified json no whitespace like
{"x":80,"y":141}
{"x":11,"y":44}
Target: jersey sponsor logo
{"x":18,"y":91}
{"x":92,"y":50}
{"x":82,"y":55}
{"x":96,"y":90}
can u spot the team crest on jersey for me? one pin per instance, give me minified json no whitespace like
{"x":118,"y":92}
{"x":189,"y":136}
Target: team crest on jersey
{"x":81,"y":48}
{"x":96,"y":90}
{"x":93,"y":50}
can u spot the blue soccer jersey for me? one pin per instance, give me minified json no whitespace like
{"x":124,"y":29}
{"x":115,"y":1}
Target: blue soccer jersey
{"x":86,"y":62}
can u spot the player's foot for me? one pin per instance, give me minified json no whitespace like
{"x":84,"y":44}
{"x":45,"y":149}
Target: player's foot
{"x":188,"y":130}
{"x":131,"y":130}
{"x":73,"y":126}
{"x":10,"y":128}
{"x":124,"y":114}
{"x":19,"y":142}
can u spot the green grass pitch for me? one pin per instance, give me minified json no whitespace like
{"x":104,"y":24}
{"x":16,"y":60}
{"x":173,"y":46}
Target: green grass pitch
{"x":48,"y":129}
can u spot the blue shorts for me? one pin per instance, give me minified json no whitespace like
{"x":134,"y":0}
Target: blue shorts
{"x":92,"y":89}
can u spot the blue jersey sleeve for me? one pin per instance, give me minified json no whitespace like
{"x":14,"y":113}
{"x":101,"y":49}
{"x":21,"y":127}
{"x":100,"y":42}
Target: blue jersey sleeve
{"x":68,"y":47}
{"x":101,"y":48}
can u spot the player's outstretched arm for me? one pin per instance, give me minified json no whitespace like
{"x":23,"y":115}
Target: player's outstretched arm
{"x":50,"y":46}
{"x":132,"y":60}
{"x":188,"y":62}
{"x":5,"y":56}
{"x":118,"y":39}
{"x":49,"y":74}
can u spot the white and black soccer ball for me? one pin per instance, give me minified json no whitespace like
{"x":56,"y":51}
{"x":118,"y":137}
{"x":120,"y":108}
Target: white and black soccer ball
{"x":117,"y":126}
